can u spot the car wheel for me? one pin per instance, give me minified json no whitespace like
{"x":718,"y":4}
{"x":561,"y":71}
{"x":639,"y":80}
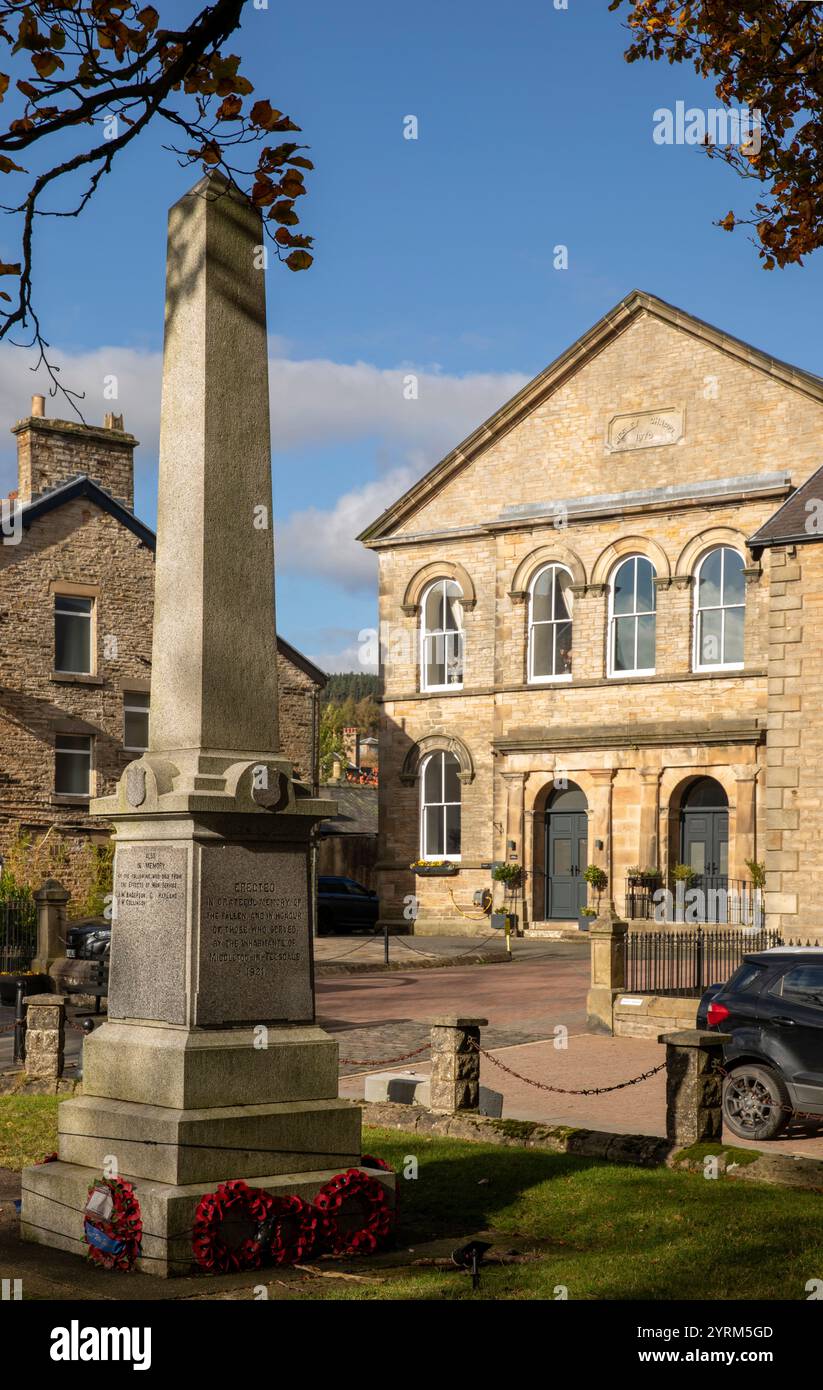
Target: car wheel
{"x":755,"y":1102}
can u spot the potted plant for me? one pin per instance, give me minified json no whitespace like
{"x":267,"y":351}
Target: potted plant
{"x":434,"y":868}
{"x":684,"y":873}
{"x":508,"y":873}
{"x":597,"y":879}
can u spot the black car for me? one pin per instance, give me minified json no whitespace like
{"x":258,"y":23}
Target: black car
{"x":344,"y":905}
{"x":773,"y":1008}
{"x":89,"y":940}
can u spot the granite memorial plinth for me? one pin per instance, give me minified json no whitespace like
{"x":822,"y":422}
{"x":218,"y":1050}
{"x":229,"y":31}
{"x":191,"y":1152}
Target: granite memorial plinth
{"x":210,"y":1065}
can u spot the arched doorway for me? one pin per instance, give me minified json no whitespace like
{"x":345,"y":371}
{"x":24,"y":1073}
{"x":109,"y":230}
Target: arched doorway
{"x":704,"y":831}
{"x":566,"y":854}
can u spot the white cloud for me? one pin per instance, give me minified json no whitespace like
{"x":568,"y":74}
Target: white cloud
{"x":318,"y":401}
{"x":314,"y":402}
{"x":340,"y":649}
{"x":321,"y":541}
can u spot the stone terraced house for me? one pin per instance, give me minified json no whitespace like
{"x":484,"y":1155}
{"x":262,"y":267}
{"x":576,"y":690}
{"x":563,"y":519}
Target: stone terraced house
{"x":76,"y":603}
{"x":586,"y":659}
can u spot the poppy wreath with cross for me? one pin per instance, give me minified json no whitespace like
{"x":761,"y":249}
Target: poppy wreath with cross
{"x":113,"y":1232}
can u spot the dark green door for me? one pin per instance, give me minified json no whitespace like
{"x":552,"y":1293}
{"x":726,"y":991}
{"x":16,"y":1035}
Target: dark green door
{"x":704,"y":836}
{"x":567,"y":846}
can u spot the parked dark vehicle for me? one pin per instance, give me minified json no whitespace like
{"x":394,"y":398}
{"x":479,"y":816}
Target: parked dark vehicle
{"x":89,"y":940}
{"x":345,"y":905}
{"x":773,"y":1008}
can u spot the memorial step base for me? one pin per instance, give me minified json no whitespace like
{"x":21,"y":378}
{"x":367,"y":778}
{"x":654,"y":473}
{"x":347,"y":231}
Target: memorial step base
{"x":185,"y":1146}
{"x":55,"y":1196}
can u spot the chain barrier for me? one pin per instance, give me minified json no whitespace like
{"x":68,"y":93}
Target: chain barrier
{"x":451,"y":955}
{"x":383,"y":1061}
{"x":561,"y":1090}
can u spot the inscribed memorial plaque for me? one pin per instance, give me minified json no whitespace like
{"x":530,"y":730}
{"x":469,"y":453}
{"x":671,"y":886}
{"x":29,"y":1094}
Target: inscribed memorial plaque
{"x":148,"y":958}
{"x":254,"y":963}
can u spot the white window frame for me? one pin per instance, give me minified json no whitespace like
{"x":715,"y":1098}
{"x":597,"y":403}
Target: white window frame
{"x":636,"y":613}
{"x":424,"y":855}
{"x":697,"y":664}
{"x":135,"y":709}
{"x":564,"y":676}
{"x":75,"y":753}
{"x":61,"y":593}
{"x":443,"y":633}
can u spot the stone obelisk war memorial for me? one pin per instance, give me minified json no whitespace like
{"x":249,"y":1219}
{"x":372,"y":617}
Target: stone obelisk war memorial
{"x":210,"y":1065}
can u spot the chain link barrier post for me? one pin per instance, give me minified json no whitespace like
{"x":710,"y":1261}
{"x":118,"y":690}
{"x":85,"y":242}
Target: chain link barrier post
{"x":694,"y":1085}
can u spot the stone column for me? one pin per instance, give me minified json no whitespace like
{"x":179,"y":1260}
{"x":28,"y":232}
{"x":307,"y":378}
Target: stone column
{"x":745,"y":840}
{"x":589,"y":636}
{"x":693,"y":1085}
{"x":455,"y":1066}
{"x":648,"y":856}
{"x":515,"y":783}
{"x":51,"y":899}
{"x":600,"y":823}
{"x":607,"y":935}
{"x":45,"y":1033}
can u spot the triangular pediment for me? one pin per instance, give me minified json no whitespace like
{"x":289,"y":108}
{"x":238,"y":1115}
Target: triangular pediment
{"x":636,"y":306}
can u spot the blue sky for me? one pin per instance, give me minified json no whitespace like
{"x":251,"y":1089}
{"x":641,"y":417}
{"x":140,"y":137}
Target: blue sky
{"x":434,"y":255}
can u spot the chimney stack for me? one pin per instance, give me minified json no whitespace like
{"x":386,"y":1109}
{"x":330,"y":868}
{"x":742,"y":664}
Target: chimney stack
{"x":53,"y":452}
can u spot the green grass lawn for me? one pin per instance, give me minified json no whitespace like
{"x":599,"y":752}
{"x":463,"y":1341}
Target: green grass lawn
{"x":28,"y":1129}
{"x":601,"y":1230}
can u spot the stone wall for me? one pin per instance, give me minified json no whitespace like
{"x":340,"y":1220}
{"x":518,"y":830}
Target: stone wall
{"x":75,"y":543}
{"x":299,"y":719}
{"x":633,"y":744}
{"x":794,"y":814}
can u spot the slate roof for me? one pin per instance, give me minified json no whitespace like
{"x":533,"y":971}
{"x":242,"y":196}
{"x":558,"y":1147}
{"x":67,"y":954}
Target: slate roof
{"x":787,"y":526}
{"x":357,"y":813}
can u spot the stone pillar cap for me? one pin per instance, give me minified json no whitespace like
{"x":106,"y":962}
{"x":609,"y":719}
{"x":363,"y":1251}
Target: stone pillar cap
{"x":52,"y":889}
{"x":452,"y":1021}
{"x":694,"y":1037}
{"x":45,"y":1000}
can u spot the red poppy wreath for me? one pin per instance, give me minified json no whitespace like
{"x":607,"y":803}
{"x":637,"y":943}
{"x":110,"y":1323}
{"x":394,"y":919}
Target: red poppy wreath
{"x":232,"y":1228}
{"x":355,"y":1205}
{"x":112,"y":1225}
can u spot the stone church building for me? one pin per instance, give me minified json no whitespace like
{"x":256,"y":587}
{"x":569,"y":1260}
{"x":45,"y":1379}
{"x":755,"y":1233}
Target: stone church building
{"x":76,"y":603}
{"x":590,"y":640}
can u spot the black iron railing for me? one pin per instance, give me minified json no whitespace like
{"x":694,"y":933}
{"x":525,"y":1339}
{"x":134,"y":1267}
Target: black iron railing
{"x":684,"y":962}
{"x":18,"y":934}
{"x":706,"y":899}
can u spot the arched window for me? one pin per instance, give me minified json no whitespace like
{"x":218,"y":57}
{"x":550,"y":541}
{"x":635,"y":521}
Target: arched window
{"x":550,"y":625}
{"x":442,"y":636}
{"x":720,"y":607}
{"x":632,"y":618}
{"x":440,"y":807}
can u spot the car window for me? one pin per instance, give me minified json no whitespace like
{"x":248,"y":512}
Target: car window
{"x":804,"y":983}
{"x":356,"y":888}
{"x":331,"y":885}
{"x":745,"y":979}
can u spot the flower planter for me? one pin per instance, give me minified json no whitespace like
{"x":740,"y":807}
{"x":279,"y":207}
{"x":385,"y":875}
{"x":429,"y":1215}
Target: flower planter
{"x":436,"y":870}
